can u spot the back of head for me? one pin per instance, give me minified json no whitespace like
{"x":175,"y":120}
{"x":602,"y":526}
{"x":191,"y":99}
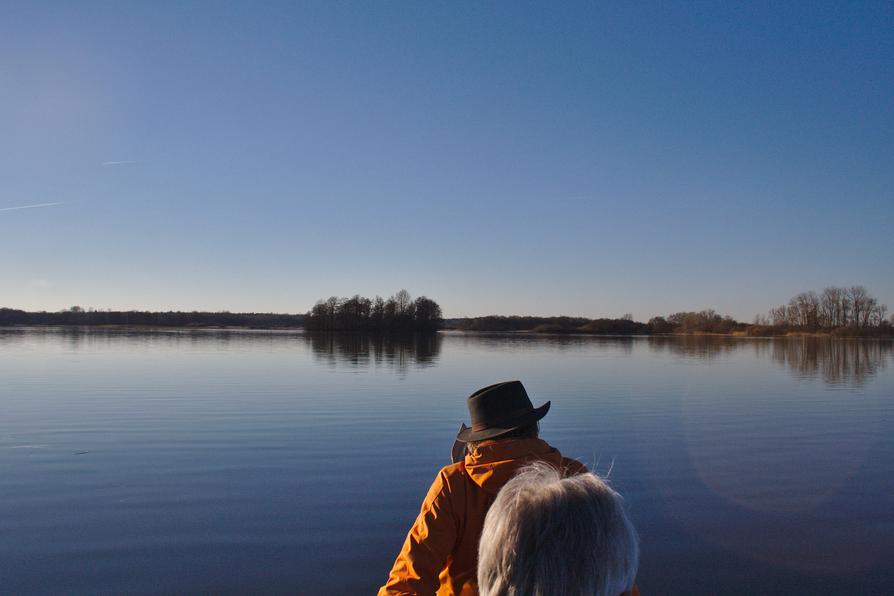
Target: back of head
{"x":551,"y":536}
{"x":531,"y":431}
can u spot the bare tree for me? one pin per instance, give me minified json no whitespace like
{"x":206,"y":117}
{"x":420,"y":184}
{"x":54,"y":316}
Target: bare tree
{"x":844,"y":307}
{"x":779,"y":315}
{"x":830,"y":307}
{"x":390,"y":309}
{"x":805,"y":307}
{"x":879,"y":312}
{"x":834,"y":307}
{"x":858,"y":302}
{"x":377,"y":311}
{"x":402,"y":302}
{"x":869,"y":307}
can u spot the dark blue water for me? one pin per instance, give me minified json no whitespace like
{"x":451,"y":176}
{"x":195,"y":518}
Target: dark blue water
{"x":234,"y":462}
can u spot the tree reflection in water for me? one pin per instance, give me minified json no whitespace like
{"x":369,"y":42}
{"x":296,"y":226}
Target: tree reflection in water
{"x":520,"y":341}
{"x":834,"y":361}
{"x":398,"y":352}
{"x":701,"y":347}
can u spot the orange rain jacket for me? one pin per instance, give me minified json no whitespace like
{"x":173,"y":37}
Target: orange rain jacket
{"x":440,"y":554}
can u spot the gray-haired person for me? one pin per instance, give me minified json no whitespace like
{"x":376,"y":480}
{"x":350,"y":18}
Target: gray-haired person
{"x":546,"y":535}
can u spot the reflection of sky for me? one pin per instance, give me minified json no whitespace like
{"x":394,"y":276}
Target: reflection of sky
{"x":266,"y":460}
{"x":501,"y":158}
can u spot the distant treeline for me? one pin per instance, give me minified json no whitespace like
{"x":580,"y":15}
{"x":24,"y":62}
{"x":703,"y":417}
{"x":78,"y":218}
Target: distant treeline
{"x":622,"y":326}
{"x":836,"y":310}
{"x":704,"y":321}
{"x":398,"y":313}
{"x":79,"y":316}
{"x":847,"y":312}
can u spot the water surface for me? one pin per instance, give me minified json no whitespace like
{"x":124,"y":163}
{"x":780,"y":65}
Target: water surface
{"x":279,"y":462}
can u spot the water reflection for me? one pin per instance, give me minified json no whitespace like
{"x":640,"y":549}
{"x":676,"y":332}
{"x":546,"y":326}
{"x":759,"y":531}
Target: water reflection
{"x":77,"y":338}
{"x":834,"y":361}
{"x":771,"y":466}
{"x":837,"y":362}
{"x":522,"y":341}
{"x":195,"y":455}
{"x":401,"y":353}
{"x":701,"y":347}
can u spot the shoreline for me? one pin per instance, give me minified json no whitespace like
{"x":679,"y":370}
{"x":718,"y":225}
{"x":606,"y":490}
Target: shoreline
{"x":530,"y":332}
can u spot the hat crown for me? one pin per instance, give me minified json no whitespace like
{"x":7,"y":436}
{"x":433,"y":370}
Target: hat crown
{"x":498,"y":404}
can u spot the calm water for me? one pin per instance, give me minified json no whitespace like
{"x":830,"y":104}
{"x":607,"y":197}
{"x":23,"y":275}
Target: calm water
{"x":234,"y":462}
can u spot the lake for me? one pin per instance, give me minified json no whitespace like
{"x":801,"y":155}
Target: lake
{"x":279,"y":462}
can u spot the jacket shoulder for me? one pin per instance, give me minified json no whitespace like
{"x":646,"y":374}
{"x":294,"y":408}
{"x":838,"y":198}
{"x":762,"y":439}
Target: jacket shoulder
{"x":453,"y":471}
{"x":453,"y":480}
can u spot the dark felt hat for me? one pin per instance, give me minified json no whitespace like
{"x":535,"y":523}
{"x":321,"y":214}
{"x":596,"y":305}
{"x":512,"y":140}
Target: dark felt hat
{"x":499,"y":409}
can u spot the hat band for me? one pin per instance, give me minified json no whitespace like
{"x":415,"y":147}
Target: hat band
{"x":507,"y":421}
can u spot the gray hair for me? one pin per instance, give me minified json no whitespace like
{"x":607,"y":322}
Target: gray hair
{"x":551,"y":536}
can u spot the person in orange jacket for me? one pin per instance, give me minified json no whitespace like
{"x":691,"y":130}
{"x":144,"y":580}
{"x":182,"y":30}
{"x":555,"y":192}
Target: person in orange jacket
{"x":440,"y":553}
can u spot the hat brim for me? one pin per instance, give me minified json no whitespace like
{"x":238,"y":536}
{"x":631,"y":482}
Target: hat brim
{"x":466,"y":434}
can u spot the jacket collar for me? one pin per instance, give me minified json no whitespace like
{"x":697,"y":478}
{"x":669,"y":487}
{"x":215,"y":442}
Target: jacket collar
{"x":503,"y":449}
{"x":493,"y":463}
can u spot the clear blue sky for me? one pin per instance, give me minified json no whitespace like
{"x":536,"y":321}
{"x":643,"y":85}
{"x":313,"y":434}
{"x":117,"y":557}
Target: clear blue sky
{"x":512,"y":157}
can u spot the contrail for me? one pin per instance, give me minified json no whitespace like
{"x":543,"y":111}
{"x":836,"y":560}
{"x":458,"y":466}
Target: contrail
{"x":31,"y":206}
{"x":119,"y":163}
